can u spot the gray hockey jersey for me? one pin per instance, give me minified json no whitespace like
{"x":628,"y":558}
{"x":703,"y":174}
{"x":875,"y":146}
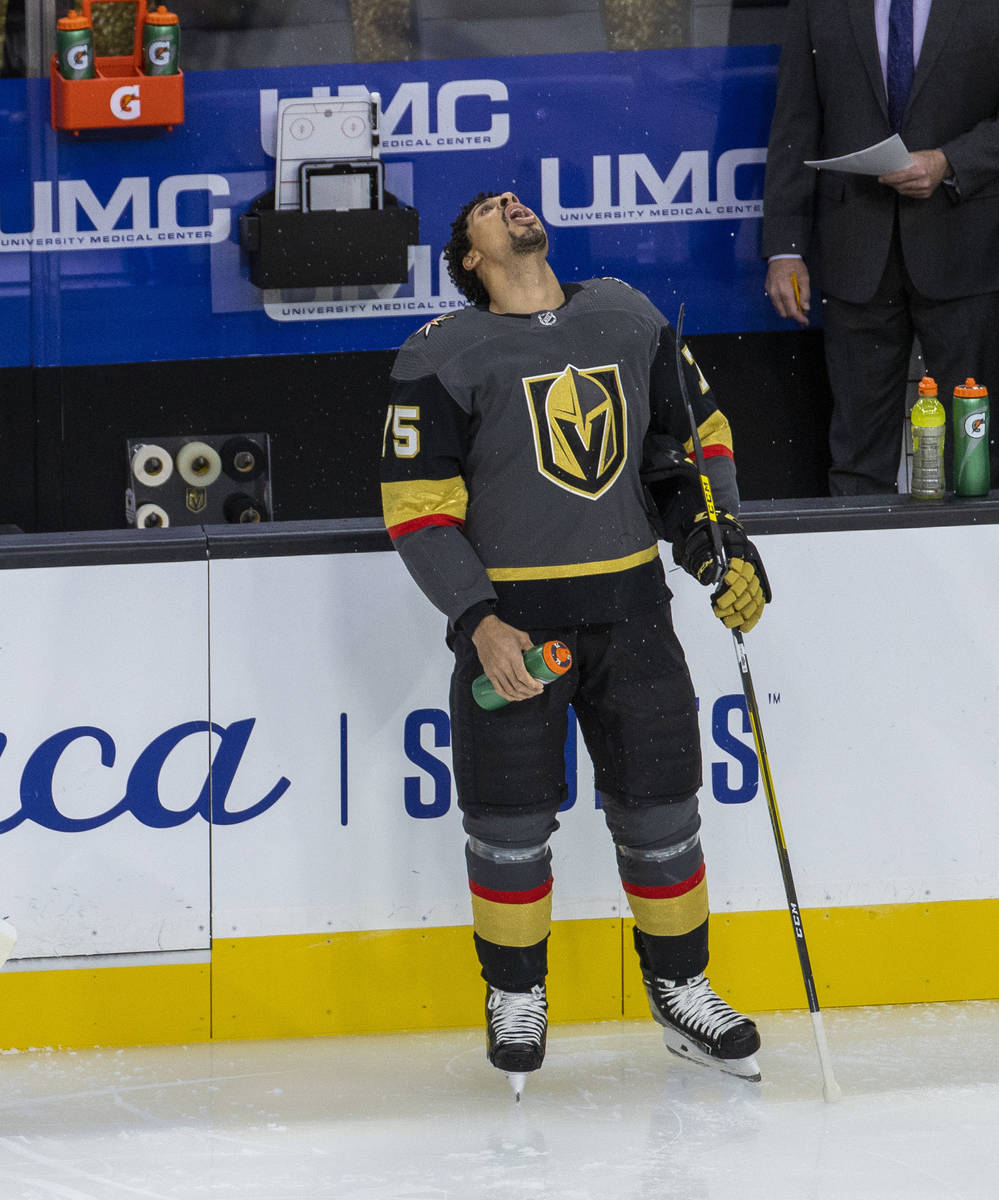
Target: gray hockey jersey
{"x":513,"y":449}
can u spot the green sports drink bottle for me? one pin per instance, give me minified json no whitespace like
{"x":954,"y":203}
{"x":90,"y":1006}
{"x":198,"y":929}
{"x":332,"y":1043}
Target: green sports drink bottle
{"x":970,"y":415}
{"x":929,"y":423}
{"x":75,"y":47}
{"x":546,"y":661}
{"x":160,"y":42}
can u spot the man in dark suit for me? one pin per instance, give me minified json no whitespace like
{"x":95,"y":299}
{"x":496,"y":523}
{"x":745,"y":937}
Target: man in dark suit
{"x":911,"y":253}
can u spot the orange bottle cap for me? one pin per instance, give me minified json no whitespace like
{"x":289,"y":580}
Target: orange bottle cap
{"x":970,"y":389}
{"x":927,"y":386}
{"x":557,"y":656}
{"x":162,"y":16}
{"x":73,"y":20}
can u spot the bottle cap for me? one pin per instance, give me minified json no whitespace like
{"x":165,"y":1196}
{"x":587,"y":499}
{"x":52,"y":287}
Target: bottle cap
{"x":162,"y":16}
{"x":73,"y":20}
{"x":557,"y":656}
{"x":927,"y":386}
{"x":970,"y":389}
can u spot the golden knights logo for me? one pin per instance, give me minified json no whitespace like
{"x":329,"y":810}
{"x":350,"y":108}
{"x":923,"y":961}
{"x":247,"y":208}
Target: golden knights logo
{"x":580,"y":427}
{"x":196,"y":499}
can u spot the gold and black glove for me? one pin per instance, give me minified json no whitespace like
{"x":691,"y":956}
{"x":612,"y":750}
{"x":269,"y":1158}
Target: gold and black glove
{"x":744,"y":589}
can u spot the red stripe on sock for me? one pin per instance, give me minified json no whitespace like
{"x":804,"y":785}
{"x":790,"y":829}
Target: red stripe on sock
{"x":665,"y":893}
{"x":529,"y":897}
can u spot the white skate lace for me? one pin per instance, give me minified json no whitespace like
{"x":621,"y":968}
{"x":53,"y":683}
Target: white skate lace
{"x":695,"y":1005}
{"x":518,"y":1016}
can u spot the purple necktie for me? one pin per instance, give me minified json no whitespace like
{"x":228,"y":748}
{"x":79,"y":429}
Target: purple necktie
{"x":900,"y":66}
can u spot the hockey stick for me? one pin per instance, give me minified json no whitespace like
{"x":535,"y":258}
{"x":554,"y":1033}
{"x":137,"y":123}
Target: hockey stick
{"x":830,"y":1088}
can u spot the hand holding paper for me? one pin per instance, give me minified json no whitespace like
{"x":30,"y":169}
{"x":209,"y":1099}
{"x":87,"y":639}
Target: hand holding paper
{"x":929,"y":169}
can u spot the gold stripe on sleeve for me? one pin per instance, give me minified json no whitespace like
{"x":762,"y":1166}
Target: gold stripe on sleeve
{"x":715,"y":431}
{"x":415,"y":498}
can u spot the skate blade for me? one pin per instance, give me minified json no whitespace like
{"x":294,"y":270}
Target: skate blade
{"x":518,"y":1082}
{"x":742,"y":1068}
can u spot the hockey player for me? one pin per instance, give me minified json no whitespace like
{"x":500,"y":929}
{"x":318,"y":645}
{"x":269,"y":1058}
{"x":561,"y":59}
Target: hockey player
{"x":535,"y":447}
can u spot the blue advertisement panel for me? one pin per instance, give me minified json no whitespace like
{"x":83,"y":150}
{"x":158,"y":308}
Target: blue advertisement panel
{"x":123,"y":245}
{"x":15,"y":180}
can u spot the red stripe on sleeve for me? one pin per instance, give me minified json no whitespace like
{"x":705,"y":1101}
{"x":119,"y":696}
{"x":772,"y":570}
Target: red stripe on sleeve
{"x":404,"y":527}
{"x":717,"y":451}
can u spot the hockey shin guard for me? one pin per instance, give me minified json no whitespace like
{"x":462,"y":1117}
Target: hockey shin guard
{"x":668,"y":896}
{"x":511,"y":892}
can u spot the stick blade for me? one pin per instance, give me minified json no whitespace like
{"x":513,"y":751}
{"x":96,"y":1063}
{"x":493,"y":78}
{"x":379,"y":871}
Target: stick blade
{"x":8,"y":939}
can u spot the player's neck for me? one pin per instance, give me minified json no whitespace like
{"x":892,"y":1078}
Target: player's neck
{"x":527,"y":286}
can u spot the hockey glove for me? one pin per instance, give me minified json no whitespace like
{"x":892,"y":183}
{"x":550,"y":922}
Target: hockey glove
{"x":744,"y":589}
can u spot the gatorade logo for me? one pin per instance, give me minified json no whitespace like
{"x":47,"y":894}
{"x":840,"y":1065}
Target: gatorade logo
{"x":974,"y":425}
{"x":159,"y":52}
{"x":79,"y":58}
{"x":125,"y":104}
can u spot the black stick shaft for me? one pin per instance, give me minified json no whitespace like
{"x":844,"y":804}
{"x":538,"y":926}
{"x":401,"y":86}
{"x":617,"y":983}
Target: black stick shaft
{"x":750,"y":694}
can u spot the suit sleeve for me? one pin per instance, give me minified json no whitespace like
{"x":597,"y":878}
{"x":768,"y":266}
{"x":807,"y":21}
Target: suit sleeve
{"x":425,"y":497}
{"x":795,"y":135}
{"x":974,"y":156}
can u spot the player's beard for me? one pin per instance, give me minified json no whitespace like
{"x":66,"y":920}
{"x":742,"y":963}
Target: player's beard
{"x":530,"y":240}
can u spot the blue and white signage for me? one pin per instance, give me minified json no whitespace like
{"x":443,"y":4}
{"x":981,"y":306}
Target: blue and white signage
{"x":123,"y":246}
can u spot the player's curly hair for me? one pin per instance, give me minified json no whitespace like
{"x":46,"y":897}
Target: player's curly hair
{"x":467,"y":282}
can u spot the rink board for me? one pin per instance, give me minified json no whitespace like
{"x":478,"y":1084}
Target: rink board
{"x":357,"y":983}
{"x":226,"y":806}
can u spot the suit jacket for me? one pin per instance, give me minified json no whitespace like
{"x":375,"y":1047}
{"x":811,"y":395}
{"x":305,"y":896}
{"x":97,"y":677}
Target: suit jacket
{"x":831,"y":101}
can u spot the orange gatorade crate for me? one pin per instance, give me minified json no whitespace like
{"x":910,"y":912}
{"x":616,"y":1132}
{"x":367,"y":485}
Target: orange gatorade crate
{"x":120,"y":95}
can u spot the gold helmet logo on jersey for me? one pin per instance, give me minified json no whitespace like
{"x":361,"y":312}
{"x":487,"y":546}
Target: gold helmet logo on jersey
{"x":580,"y":427}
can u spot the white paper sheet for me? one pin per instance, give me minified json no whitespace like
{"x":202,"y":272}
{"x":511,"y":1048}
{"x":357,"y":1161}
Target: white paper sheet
{"x":889,"y":155}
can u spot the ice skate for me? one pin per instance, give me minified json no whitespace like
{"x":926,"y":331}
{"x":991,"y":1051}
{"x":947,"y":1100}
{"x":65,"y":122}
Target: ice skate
{"x":700,"y":1026}
{"x":516,"y":1032}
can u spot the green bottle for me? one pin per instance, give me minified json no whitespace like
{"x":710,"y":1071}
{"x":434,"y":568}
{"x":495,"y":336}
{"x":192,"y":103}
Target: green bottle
{"x":971,"y":439}
{"x":160,"y":42}
{"x":929,"y":424}
{"x":546,"y":661}
{"x":75,"y":47}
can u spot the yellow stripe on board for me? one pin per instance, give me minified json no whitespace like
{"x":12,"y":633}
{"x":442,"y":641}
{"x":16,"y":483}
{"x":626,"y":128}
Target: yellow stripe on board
{"x":401,"y":979}
{"x":106,"y":1006}
{"x":321,"y":984}
{"x":571,"y":570}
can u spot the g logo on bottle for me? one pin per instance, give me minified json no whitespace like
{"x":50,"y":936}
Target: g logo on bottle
{"x":79,"y":58}
{"x":159,"y":52}
{"x":974,"y":424}
{"x":125,"y":102}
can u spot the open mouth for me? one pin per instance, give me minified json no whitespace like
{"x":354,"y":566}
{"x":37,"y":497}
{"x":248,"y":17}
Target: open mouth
{"x":518,"y":214}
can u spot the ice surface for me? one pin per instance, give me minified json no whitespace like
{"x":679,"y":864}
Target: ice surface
{"x":422,"y":1116}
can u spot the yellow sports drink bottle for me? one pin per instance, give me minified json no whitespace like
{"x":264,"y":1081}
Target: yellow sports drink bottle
{"x":929,"y":423}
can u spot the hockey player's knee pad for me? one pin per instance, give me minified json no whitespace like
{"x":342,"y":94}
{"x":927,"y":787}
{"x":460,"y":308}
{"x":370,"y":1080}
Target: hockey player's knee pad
{"x":652,"y":831}
{"x":510,"y":829}
{"x":507,"y":854}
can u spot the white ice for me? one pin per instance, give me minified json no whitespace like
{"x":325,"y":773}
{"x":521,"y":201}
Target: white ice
{"x":422,"y":1116}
